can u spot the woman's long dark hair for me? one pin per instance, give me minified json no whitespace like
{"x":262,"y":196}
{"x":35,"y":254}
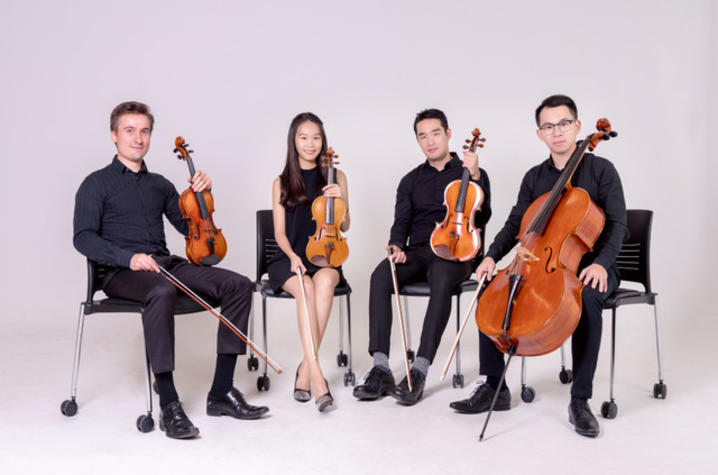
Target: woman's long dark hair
{"x":291,"y":184}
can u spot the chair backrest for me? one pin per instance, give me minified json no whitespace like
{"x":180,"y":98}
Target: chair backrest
{"x":95,"y":274}
{"x":634,"y":259}
{"x":267,"y":247}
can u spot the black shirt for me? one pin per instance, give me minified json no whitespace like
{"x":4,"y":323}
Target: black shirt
{"x":420,"y":202}
{"x":118,"y":213}
{"x":600,"y":179}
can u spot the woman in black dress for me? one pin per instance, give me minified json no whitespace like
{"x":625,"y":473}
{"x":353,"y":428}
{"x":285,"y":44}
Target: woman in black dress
{"x":302,"y":180}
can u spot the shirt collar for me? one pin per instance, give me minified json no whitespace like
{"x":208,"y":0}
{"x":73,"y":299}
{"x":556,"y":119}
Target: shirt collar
{"x":120,"y":168}
{"x":453,"y":163}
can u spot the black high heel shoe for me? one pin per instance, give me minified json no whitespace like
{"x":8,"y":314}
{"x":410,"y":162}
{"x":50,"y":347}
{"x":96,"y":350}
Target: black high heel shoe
{"x":326,"y":401}
{"x":301,"y":395}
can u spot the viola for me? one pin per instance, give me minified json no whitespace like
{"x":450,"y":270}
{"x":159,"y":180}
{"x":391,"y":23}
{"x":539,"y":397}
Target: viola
{"x":205,"y":244}
{"x":456,"y":238}
{"x":327,"y":247}
{"x":534,"y":304}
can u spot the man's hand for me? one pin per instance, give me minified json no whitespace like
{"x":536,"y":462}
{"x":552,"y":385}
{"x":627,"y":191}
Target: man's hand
{"x":200,"y":182}
{"x":486,"y":267}
{"x":143,"y":262}
{"x":594,"y":275}
{"x":471,"y":161}
{"x":397,"y":255}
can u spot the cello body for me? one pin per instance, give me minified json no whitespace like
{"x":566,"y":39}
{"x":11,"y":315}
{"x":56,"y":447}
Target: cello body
{"x":547,"y":306}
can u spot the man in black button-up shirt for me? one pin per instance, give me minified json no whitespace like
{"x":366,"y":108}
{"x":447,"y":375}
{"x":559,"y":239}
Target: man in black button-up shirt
{"x":419,"y":206}
{"x":558,"y":127}
{"x":118,"y":223}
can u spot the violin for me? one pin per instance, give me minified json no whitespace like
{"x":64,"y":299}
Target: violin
{"x":327,"y":247}
{"x":456,"y":238}
{"x":532,"y":306}
{"x":205,"y":243}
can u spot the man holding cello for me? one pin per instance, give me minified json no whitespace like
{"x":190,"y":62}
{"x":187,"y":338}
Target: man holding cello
{"x":419,"y":206}
{"x":558,"y":126}
{"x":118,"y":222}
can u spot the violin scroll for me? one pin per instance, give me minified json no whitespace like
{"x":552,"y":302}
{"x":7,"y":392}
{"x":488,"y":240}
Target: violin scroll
{"x":476,"y":141}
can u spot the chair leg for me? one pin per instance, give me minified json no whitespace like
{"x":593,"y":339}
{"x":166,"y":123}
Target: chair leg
{"x":349,"y":376}
{"x":263,"y":381}
{"x":527,"y":392}
{"x":613,"y":353}
{"x":659,"y":389}
{"x":341,"y":357}
{"x":69,"y":406}
{"x":148,"y":376}
{"x":458,"y":380}
{"x":407,"y":324}
{"x":252,"y":361}
{"x":566,"y":375}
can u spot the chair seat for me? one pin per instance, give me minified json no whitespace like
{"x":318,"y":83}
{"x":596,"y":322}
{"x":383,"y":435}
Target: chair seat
{"x":266,"y":290}
{"x":627,"y":297}
{"x":421,"y":289}
{"x":184,"y":305}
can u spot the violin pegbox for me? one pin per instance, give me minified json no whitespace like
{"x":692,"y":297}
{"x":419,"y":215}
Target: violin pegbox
{"x":476,"y":141}
{"x":329,"y":158}
{"x":181,"y":148}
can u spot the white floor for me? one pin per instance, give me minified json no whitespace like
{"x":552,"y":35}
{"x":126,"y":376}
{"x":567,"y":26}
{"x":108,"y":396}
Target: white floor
{"x":648,"y":436}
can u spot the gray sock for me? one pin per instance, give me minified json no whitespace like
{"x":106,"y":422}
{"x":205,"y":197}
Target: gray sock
{"x":421,"y":364}
{"x":381,"y":360}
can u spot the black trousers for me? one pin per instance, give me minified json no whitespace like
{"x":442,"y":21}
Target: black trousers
{"x":585,"y":342}
{"x":233,"y":292}
{"x":421,"y":264}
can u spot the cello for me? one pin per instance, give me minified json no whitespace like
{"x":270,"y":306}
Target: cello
{"x":205,"y":243}
{"x":456,"y":238}
{"x":327,"y":247}
{"x":534,"y":304}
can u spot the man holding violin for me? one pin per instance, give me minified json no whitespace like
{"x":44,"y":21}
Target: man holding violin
{"x":118,"y":222}
{"x":558,"y":127}
{"x":419,"y":206}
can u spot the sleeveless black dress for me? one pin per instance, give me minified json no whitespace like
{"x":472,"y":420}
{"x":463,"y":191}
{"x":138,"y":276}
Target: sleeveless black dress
{"x":299,"y":227}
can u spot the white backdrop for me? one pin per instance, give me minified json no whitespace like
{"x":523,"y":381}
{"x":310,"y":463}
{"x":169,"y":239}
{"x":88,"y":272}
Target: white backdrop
{"x":229,"y":76}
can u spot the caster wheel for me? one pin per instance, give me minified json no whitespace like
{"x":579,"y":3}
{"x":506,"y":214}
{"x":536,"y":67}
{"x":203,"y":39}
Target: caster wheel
{"x":68,"y":407}
{"x":263,"y":383}
{"x":458,"y":381}
{"x":342,"y":359}
{"x":565,"y":376}
{"x":349,"y":379}
{"x":660,"y":391}
{"x":609,"y":410}
{"x":154,"y":388}
{"x":528,"y":394}
{"x":145,"y":423}
{"x":252,"y":363}
{"x":410,"y":354}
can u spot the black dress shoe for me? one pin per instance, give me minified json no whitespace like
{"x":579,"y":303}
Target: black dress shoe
{"x":409,"y":398}
{"x":233,"y":404}
{"x":580,"y":415}
{"x":175,"y":423}
{"x":480,"y":400}
{"x":301,"y":395}
{"x":378,"y":383}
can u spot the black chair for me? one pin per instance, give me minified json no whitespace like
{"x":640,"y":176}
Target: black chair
{"x":95,"y":274}
{"x":267,"y":247}
{"x":633,"y":262}
{"x":421,"y":289}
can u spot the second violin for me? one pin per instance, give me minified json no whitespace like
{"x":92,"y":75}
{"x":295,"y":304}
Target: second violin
{"x":456,"y":238}
{"x":327,"y":247}
{"x":205,"y":242}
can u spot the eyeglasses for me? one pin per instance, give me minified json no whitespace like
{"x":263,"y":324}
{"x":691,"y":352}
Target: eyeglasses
{"x":563,"y":126}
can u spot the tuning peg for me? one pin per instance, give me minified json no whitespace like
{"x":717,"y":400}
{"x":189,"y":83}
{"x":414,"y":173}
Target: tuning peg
{"x":467,"y":141}
{"x":466,"y":147}
{"x":482,"y":139}
{"x":480,"y":145}
{"x":175,"y":151}
{"x":613,"y":133}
